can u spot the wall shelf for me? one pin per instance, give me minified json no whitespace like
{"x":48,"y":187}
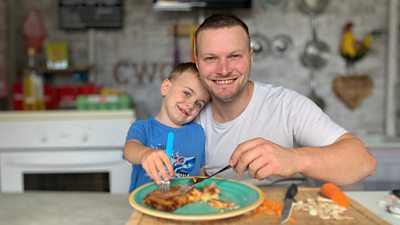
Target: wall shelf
{"x":67,"y":71}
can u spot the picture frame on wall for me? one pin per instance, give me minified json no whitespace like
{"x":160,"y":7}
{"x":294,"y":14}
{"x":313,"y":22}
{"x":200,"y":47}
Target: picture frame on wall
{"x":94,"y":14}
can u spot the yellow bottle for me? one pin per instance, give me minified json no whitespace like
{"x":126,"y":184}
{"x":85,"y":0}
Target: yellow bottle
{"x":39,"y":88}
{"x":32,"y":85}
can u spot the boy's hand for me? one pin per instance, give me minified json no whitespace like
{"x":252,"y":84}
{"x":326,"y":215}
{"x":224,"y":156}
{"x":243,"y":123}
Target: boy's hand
{"x":154,"y":162}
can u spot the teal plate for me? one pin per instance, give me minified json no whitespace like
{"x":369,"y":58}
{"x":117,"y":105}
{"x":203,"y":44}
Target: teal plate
{"x":247,"y":196}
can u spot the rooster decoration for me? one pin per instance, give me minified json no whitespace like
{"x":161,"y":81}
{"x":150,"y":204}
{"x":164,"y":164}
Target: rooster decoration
{"x":353,"y":50}
{"x":353,"y":88}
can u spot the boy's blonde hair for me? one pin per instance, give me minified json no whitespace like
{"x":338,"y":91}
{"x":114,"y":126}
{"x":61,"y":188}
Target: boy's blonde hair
{"x":182,"y":67}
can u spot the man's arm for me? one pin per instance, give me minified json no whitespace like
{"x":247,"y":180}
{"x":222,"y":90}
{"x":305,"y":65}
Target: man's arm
{"x":344,"y":162}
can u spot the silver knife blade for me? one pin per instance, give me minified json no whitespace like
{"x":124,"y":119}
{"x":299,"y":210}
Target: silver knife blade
{"x":187,"y":186}
{"x":195,"y":180}
{"x":288,"y":203}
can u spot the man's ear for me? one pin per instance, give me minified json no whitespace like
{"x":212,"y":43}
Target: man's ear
{"x":165,"y":87}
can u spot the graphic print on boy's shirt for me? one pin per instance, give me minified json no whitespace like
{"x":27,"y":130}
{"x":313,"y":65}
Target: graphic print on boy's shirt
{"x":182,"y":165}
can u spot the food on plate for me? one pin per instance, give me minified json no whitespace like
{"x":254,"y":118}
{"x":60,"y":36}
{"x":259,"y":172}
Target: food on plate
{"x":221,"y":204}
{"x":333,"y":192}
{"x":172,"y":200}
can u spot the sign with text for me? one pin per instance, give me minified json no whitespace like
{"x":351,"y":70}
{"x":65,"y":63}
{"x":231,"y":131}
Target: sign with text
{"x":84,"y":14}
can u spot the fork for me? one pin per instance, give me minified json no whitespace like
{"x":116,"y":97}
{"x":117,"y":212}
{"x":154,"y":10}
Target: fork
{"x":165,"y":185}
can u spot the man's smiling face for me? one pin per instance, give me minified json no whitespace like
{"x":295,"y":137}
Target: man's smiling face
{"x":224,"y":61}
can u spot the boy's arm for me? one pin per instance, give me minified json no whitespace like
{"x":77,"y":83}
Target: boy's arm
{"x":152,"y":160}
{"x":134,"y":151}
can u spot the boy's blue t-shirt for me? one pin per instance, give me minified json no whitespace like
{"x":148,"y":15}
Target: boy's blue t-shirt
{"x":187,"y":151}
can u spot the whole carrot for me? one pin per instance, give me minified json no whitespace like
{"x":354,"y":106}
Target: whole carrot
{"x":333,"y":192}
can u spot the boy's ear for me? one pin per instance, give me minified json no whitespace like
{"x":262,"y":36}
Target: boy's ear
{"x":165,"y":87}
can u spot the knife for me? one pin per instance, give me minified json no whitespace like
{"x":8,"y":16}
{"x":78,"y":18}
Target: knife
{"x":288,"y":203}
{"x":195,"y":180}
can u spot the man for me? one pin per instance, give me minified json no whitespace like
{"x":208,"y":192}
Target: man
{"x":265,"y":130}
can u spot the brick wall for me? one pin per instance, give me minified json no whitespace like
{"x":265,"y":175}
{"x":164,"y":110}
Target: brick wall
{"x":144,"y":48}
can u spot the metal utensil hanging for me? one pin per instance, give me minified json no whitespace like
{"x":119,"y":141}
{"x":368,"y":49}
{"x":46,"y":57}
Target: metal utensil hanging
{"x":315,"y":57}
{"x":313,"y":93}
{"x":316,"y":52}
{"x":261,"y":46}
{"x":312,"y":7}
{"x":281,"y":45}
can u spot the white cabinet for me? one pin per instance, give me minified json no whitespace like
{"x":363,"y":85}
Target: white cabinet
{"x":58,"y":142}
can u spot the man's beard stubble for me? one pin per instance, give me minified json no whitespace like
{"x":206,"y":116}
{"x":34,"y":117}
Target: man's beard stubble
{"x":231,"y":98}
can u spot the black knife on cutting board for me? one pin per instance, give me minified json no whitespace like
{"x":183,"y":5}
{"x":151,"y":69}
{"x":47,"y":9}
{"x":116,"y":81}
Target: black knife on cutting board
{"x":288,"y":203}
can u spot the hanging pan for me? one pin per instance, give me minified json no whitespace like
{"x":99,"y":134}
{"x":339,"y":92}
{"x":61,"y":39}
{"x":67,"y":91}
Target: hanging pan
{"x":316,"y":52}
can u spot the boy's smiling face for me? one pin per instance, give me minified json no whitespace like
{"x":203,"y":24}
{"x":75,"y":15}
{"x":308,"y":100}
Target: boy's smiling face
{"x":184,"y":97}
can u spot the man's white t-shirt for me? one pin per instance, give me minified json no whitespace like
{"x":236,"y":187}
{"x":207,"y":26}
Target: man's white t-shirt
{"x":274,"y":113}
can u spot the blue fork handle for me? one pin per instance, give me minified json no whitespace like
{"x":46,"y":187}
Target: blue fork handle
{"x":170,"y":144}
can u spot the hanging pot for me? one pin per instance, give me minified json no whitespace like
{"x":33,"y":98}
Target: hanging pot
{"x":316,"y":53}
{"x":261,"y":46}
{"x":312,"y":7}
{"x":281,"y":45}
{"x":277,"y":5}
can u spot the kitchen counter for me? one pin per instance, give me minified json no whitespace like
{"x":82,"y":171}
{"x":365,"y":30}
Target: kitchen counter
{"x":363,"y":209}
{"x":64,"y":208}
{"x":78,"y":208}
{"x":371,"y":200}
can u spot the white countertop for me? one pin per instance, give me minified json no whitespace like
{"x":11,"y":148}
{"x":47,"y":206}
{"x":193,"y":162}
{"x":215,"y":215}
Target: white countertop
{"x":65,"y":114}
{"x":64,"y":208}
{"x":370,"y":200}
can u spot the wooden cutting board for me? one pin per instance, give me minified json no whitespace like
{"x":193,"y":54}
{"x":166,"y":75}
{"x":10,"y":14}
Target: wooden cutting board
{"x":360,"y":214}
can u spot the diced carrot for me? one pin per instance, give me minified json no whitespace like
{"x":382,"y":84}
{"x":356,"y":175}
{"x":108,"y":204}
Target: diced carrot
{"x":333,"y":192}
{"x":291,"y":220}
{"x":273,"y":208}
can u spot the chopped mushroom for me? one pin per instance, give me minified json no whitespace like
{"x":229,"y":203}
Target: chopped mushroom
{"x":322,"y":207}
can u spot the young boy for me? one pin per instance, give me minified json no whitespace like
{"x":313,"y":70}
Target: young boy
{"x":183,"y":98}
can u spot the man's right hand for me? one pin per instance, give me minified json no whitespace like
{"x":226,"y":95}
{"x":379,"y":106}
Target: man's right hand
{"x":263,"y":158}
